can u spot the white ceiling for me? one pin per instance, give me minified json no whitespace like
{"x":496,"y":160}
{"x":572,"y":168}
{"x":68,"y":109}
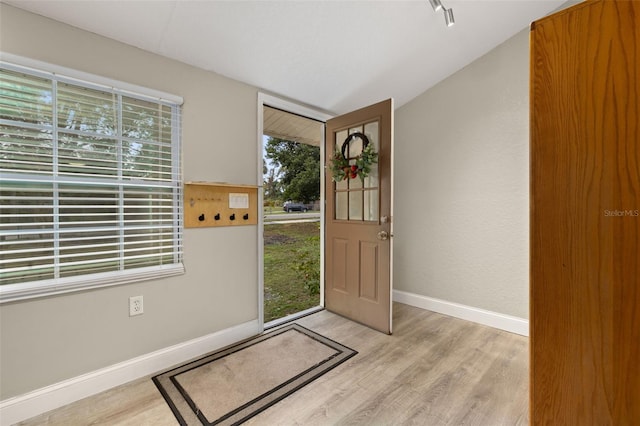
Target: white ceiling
{"x":334,"y":55}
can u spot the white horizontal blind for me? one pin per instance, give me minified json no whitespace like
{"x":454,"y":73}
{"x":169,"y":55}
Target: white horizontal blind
{"x":90,"y":181}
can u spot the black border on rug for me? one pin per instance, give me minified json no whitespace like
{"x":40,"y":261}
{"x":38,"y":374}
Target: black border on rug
{"x":186,"y":411}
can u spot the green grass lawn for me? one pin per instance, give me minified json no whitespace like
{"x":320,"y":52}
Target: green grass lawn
{"x":291,"y":268}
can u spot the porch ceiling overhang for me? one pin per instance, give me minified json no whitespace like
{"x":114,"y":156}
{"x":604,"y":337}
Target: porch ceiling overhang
{"x":284,"y":125}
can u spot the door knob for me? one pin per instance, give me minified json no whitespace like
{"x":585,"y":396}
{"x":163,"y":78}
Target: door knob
{"x":383,"y":235}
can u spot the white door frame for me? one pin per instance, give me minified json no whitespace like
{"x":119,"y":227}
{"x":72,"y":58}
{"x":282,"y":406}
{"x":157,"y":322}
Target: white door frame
{"x":294,"y":108}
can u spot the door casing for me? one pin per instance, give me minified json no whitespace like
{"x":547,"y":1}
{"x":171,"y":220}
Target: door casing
{"x":294,"y":108}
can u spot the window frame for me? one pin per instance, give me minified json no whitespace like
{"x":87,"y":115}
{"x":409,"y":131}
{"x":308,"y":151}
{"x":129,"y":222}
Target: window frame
{"x":39,"y":288}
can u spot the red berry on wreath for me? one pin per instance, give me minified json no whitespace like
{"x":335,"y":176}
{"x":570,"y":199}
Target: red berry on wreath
{"x":354,"y":168}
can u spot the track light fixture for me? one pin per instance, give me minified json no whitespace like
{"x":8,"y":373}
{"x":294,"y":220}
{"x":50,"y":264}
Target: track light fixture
{"x":448,"y":17}
{"x":436,"y":5}
{"x":448,"y":13}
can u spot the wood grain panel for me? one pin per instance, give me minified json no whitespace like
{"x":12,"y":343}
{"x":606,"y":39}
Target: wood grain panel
{"x":585,"y":315}
{"x":208,"y":204}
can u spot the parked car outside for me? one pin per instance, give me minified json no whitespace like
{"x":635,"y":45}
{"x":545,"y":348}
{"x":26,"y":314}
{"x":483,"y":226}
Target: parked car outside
{"x":290,"y":206}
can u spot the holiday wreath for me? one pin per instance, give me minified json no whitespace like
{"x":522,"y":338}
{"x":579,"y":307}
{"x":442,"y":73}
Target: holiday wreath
{"x":343,"y":167}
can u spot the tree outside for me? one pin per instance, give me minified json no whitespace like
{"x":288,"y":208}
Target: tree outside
{"x":296,"y":169}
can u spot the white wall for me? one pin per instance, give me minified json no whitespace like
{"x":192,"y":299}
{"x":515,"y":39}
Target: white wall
{"x":462,"y":185}
{"x":47,"y":340}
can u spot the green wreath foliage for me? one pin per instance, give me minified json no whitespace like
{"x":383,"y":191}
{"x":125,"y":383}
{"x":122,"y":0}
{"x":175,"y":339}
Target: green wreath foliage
{"x":342,"y":168}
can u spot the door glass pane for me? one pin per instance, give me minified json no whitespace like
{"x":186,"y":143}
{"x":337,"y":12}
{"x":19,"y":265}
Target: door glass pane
{"x":355,"y":205}
{"x":371,"y":130}
{"x":342,"y":205}
{"x":371,"y":205}
{"x":355,"y":146}
{"x":340,"y":137}
{"x":355,"y":183}
{"x":341,"y":185}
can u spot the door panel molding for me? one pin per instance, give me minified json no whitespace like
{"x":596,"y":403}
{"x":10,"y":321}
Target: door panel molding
{"x":369,"y":280}
{"x":340,"y":248}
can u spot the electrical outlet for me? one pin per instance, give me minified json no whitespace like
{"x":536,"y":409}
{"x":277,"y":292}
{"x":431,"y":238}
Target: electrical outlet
{"x":136,"y":307}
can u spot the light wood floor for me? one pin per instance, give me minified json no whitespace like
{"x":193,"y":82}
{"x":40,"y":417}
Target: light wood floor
{"x":434,"y":370}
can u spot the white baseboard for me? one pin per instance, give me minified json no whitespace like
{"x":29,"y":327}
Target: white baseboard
{"x":25,"y":406}
{"x":492,"y":319}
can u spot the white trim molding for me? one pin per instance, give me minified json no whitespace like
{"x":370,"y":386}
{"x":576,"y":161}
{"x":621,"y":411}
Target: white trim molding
{"x":293,"y":107}
{"x":492,"y":319}
{"x":25,"y":406}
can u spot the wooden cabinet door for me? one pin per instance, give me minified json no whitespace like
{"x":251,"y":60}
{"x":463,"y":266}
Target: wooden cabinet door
{"x":585,"y":220}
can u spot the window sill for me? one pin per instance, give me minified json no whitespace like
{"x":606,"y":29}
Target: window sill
{"x":17,"y":292}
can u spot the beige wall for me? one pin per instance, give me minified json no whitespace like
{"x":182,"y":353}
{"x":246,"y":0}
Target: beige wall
{"x":51,"y":339}
{"x":461,"y":219}
{"x":462,"y":185}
